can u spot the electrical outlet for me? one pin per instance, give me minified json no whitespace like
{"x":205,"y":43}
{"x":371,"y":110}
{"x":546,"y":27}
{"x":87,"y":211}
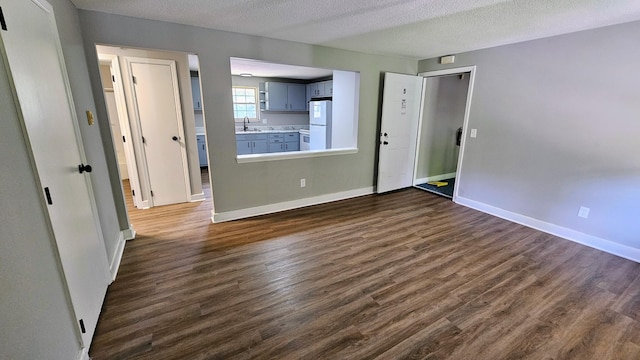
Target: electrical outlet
{"x":264,"y":120}
{"x":583,"y":212}
{"x":303,"y":182}
{"x":474,"y":133}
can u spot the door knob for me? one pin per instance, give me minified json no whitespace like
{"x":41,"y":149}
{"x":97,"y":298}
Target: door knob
{"x":385,"y":143}
{"x":175,"y":138}
{"x":385,"y":134}
{"x":82,"y":168}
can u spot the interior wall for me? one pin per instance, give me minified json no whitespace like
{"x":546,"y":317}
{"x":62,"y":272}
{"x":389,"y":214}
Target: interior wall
{"x":443,"y":113}
{"x":234,"y":185}
{"x":184,"y":83}
{"x":558,"y":129}
{"x":269,"y":118}
{"x":37,"y":320}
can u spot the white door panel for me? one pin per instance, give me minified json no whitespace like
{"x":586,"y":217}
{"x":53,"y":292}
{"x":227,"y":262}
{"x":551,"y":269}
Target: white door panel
{"x":158,"y":109}
{"x":34,"y":57}
{"x":399,"y":131}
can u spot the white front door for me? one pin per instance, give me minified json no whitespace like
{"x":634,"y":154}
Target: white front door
{"x":401,"y":101}
{"x":35,"y":60}
{"x":157,"y":102}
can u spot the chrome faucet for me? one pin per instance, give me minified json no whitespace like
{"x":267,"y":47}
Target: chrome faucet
{"x":245,"y":121}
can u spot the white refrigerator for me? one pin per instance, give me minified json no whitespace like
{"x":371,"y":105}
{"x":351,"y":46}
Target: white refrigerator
{"x":320,"y":124}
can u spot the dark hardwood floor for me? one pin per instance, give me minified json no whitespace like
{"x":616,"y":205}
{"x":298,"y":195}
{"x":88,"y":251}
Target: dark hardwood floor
{"x":406,"y":275}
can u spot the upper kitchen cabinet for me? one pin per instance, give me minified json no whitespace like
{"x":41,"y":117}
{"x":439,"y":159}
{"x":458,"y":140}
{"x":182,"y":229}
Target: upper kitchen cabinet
{"x":320,"y":89}
{"x":195,"y":93}
{"x":285,"y":96}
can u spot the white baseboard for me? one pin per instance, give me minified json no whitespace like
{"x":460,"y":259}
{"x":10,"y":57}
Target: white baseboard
{"x":123,"y":236}
{"x":288,"y":205}
{"x":83,"y":354}
{"x":117,"y":256}
{"x":196,"y":197}
{"x":435,"y":178}
{"x":129,"y":234}
{"x":607,"y":246}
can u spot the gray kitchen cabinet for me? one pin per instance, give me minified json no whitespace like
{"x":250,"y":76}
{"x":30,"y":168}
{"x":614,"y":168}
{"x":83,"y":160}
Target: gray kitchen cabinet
{"x":202,"y":151}
{"x":297,"y":97}
{"x":281,"y":142}
{"x":275,"y":96}
{"x":251,"y":144}
{"x":195,"y":93}
{"x":285,"y":96}
{"x":292,"y":142}
{"x":328,"y":88}
{"x":320,"y":89}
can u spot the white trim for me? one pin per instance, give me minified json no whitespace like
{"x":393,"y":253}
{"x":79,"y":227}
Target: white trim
{"x":607,"y":246}
{"x":83,"y":354}
{"x":434,"y":178}
{"x":125,"y":126}
{"x":288,"y":205}
{"x":242,"y":159}
{"x":123,"y":237}
{"x":129,"y":234}
{"x":196,"y":197}
{"x":117,"y":256}
{"x":467,"y":111}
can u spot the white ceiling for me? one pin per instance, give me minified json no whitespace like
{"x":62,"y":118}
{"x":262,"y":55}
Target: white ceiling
{"x":413,"y":28}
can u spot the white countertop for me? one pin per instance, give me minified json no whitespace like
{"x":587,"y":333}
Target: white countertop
{"x":266,"y":131}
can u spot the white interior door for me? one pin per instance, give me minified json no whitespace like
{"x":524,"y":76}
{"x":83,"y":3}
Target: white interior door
{"x":35,"y":60}
{"x":157,"y":102}
{"x":401,"y":100}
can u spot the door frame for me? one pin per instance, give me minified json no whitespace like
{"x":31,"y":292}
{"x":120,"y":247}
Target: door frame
{"x":125,"y":126}
{"x":436,"y":73}
{"x":144,"y":175}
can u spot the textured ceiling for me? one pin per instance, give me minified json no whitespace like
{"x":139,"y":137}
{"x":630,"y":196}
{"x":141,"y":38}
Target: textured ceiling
{"x":414,"y":28}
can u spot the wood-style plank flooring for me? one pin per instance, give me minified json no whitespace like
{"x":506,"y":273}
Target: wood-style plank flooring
{"x":406,"y":275}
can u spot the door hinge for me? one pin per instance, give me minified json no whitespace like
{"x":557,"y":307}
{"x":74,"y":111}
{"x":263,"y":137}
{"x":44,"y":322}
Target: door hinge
{"x":48,"y":195}
{"x":143,"y":140}
{"x":3,"y":23}
{"x":123,"y":139}
{"x":113,"y":78}
{"x":84,"y":331}
{"x":133,"y":193}
{"x":151,"y":192}
{"x":134,"y":79}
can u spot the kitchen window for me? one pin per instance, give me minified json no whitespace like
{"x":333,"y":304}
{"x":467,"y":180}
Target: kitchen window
{"x":245,"y":103}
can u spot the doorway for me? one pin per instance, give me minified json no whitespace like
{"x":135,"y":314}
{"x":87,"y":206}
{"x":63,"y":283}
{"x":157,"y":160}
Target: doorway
{"x":415,"y":147}
{"x":152,"y":91}
{"x":440,"y":132}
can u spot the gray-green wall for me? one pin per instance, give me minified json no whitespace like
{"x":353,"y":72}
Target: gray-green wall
{"x":238,"y":186}
{"x":558,"y":124}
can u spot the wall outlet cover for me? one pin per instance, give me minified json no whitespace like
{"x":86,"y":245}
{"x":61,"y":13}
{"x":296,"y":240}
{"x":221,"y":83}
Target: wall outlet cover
{"x":303,"y":183}
{"x":583,"y":212}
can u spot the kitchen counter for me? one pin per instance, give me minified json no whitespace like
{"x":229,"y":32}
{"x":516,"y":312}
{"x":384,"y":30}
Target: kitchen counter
{"x":266,"y":131}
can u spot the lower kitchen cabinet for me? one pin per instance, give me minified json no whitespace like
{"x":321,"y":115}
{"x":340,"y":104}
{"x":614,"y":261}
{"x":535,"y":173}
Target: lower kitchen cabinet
{"x":267,"y":143}
{"x":202,"y":151}
{"x":251,"y":144}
